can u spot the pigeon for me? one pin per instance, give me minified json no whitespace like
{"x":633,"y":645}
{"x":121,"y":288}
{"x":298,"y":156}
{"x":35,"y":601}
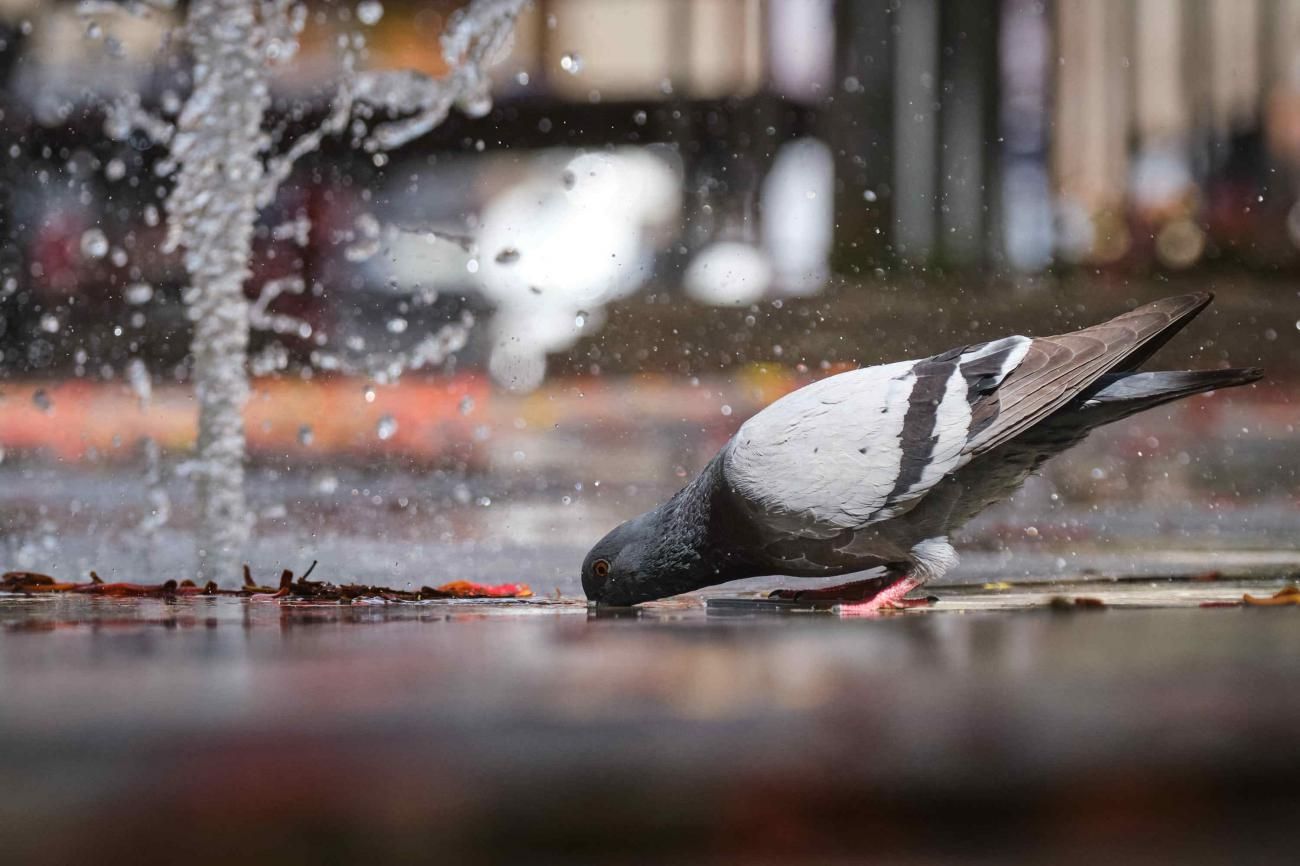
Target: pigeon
{"x":875,"y":468}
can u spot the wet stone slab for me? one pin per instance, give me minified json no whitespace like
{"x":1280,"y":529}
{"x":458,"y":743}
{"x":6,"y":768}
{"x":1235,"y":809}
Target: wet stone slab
{"x":1000,"y":724}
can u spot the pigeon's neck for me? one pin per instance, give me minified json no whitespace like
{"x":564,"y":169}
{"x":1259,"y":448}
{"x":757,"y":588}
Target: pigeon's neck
{"x":696,"y":534}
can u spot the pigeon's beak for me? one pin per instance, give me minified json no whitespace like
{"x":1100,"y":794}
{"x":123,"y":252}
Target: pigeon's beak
{"x":601,"y":593}
{"x":593,"y":587}
{"x":605,"y":592}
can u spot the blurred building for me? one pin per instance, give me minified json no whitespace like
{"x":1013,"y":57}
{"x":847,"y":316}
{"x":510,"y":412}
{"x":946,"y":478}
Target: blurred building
{"x":720,"y":151}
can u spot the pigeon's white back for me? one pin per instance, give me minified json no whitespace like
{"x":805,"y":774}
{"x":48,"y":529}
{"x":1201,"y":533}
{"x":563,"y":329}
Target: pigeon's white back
{"x":865,"y":445}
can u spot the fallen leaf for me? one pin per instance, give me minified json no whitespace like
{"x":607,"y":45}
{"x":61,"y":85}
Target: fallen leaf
{"x":1287,"y":595}
{"x":1061,"y":602}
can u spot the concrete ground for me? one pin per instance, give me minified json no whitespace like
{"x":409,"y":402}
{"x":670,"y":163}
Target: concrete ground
{"x":1005,"y":723}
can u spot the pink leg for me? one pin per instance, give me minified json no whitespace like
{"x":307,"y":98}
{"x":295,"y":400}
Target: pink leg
{"x":889,"y":598}
{"x":857,"y":590}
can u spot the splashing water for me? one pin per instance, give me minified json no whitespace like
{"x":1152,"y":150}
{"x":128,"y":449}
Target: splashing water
{"x":369,"y":12}
{"x":226,"y":173}
{"x":94,"y":244}
{"x":475,"y":36}
{"x":212,"y":211}
{"x":138,"y":293}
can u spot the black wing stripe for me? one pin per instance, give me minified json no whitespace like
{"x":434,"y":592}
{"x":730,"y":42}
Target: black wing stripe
{"x":982,"y":378}
{"x":918,"y":437}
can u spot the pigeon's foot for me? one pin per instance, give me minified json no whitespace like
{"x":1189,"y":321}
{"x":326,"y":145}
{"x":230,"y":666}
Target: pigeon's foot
{"x":889,"y":598}
{"x":858,"y":590}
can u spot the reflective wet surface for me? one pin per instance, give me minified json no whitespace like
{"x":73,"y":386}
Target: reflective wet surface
{"x":990,"y":727}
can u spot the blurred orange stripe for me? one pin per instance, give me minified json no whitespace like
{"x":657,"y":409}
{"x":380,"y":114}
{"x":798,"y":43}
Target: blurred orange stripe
{"x":106,"y":418}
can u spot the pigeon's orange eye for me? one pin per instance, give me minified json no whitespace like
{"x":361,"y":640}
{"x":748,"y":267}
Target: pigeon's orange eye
{"x":600,"y":568}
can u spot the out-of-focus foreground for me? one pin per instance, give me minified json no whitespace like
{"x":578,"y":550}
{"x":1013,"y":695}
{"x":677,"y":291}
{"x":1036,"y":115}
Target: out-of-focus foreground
{"x":212,"y":730}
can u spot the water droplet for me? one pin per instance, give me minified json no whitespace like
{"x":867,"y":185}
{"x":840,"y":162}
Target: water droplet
{"x":94,"y":244}
{"x":869,"y":195}
{"x":305,"y":435}
{"x":138,"y":293}
{"x":522,"y":79}
{"x":137,"y":376}
{"x":369,"y":393}
{"x":386,"y":428}
{"x":472,"y":266}
{"x":397,"y":325}
{"x":50,"y":323}
{"x":327,"y":484}
{"x":115,"y":170}
{"x":639,"y":118}
{"x":369,"y":12}
{"x":580,"y":320}
{"x":477,"y":103}
{"x":368,"y":239}
{"x":466,"y":405}
{"x":151,"y":217}
{"x":41,"y":400}
{"x":566,"y":500}
{"x":726,"y":410}
{"x":571,"y":63}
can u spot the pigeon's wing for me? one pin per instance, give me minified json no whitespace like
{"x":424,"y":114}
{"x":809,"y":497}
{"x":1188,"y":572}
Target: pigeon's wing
{"x":1055,"y":370}
{"x":862,"y":446}
{"x":867,"y":445}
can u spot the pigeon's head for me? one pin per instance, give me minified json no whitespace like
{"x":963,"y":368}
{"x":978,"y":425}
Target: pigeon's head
{"x":621,"y":568}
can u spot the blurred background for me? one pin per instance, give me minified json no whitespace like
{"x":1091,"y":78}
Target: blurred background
{"x":674,"y":212}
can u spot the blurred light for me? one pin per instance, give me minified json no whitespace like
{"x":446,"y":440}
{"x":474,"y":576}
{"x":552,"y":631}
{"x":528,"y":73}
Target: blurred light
{"x":1179,"y":244}
{"x":1075,"y":235}
{"x":1161,"y":177}
{"x":799,"y":215}
{"x":569,"y":239}
{"x":1027,"y":216}
{"x":802,"y":34}
{"x":728,"y":273}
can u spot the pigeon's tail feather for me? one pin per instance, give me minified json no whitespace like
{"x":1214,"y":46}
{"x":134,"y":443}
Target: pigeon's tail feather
{"x":1119,"y":395}
{"x":1162,"y":319}
{"x":1059,"y":371}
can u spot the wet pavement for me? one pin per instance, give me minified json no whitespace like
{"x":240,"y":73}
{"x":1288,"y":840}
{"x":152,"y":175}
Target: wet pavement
{"x":1003,"y":724}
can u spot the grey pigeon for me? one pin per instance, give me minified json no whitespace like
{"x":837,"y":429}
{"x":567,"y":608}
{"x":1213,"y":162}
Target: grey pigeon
{"x":877,"y":467}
